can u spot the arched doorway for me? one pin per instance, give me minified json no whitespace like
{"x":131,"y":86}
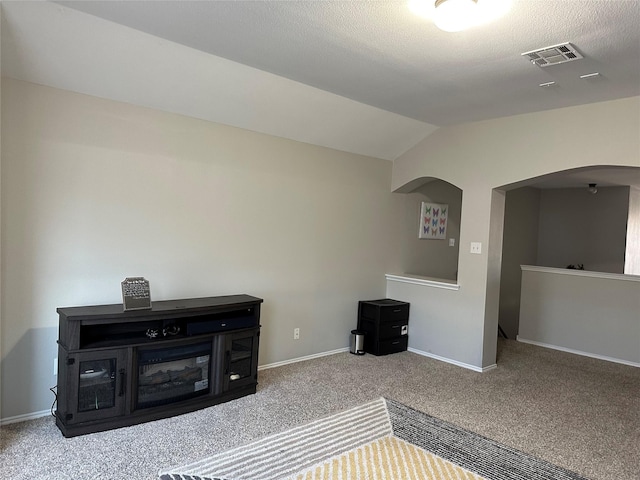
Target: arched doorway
{"x":555,"y":221}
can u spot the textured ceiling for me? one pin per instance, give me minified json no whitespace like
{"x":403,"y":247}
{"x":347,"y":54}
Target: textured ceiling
{"x":380,"y":54}
{"x":364,"y":77}
{"x":48,"y":44}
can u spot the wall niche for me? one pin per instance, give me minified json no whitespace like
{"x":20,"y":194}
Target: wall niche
{"x":433,"y":258}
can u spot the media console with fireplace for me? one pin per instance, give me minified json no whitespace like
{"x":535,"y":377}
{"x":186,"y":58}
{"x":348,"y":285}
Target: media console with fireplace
{"x":119,"y":368}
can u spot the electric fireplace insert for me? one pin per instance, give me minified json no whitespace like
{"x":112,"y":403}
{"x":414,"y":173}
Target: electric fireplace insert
{"x":172,"y":373}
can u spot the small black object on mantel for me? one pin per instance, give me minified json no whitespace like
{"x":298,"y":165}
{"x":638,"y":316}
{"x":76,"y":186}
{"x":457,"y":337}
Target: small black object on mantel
{"x":136,"y":294}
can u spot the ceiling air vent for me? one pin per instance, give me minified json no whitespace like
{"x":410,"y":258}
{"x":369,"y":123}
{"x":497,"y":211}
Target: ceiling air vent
{"x":545,"y":57}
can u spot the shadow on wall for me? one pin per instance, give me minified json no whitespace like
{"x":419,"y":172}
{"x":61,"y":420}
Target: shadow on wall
{"x":426,"y":253}
{"x":25,"y":368}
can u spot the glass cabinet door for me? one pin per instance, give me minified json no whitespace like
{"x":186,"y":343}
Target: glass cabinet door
{"x":242,"y":359}
{"x":101,"y":380}
{"x":97,"y":385}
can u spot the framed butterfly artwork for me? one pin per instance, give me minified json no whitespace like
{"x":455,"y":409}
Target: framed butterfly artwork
{"x":433,"y":221}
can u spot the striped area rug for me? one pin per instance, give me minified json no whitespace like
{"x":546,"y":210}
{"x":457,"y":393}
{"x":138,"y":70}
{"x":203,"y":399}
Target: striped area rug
{"x":387,"y":458}
{"x":381,"y":440}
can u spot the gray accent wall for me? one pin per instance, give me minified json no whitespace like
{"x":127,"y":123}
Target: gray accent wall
{"x":577,"y":227}
{"x":520,"y":246}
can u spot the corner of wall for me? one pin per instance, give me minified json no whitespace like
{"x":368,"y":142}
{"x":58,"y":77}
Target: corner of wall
{"x":1,"y":292}
{"x":494,"y":264}
{"x":632,"y":249}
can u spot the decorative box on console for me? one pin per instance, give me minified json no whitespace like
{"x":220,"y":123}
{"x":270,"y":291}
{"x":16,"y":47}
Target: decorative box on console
{"x":386,"y":325}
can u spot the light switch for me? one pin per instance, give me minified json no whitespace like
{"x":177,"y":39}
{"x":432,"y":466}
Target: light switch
{"x":452,"y":242}
{"x":476,"y":247}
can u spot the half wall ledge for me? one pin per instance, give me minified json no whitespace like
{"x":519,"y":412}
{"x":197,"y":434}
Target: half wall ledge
{"x":420,"y":280}
{"x":582,"y":312}
{"x":581,"y":273}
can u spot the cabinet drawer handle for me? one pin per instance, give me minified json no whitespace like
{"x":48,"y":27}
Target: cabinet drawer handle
{"x":122,"y":380}
{"x":395,"y":343}
{"x":397,"y":310}
{"x":395,"y":326}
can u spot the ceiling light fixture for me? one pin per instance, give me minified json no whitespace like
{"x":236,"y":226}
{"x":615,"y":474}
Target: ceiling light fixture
{"x":457,"y":15}
{"x":593,"y":188}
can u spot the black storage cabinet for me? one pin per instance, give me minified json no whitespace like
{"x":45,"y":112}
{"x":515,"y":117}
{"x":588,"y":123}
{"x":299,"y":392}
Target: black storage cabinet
{"x":385,"y":323}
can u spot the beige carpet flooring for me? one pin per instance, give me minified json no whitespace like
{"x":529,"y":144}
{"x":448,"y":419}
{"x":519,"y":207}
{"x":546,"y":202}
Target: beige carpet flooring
{"x":580,"y":413}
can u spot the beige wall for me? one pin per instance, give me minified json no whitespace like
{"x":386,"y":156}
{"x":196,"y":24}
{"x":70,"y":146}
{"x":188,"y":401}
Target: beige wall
{"x":94,"y":191}
{"x":482,"y":156}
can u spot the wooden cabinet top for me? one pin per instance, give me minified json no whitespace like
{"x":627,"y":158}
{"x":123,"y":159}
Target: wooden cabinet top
{"x":160,"y":308}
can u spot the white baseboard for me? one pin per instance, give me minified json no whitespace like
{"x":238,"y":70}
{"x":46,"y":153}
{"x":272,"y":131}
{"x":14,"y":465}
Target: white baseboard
{"x":44,"y":413}
{"x":302,"y":359}
{"x":578,"y":352}
{"x":453,"y":362}
{"x":31,"y":416}
{"x":24,"y":417}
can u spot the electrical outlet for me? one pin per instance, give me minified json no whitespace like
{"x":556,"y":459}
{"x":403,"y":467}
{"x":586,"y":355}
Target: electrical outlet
{"x":296,"y":334}
{"x":452,"y":242}
{"x":476,"y":247}
{"x":55,"y":366}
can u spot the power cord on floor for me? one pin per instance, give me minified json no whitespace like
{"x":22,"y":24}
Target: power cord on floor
{"x":54,"y":390}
